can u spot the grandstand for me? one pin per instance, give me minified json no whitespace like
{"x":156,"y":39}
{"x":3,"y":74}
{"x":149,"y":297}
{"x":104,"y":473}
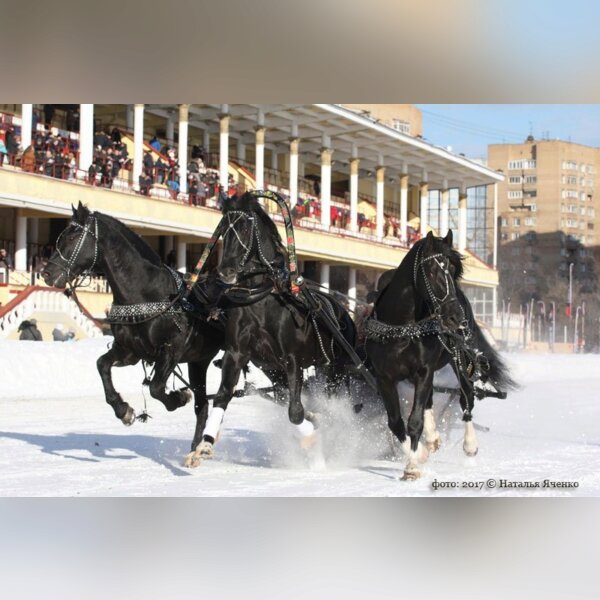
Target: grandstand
{"x":359,"y":188}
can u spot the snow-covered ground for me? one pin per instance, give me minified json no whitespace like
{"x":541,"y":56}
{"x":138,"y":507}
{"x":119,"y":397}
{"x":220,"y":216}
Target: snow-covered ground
{"x":58,"y":437}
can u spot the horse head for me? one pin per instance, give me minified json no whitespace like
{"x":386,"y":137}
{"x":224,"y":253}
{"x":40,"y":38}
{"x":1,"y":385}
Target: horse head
{"x":437,"y":269}
{"x":251,"y":243}
{"x":76,"y":252}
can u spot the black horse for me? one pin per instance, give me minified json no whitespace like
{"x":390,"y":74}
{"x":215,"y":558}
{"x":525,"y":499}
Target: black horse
{"x":270,"y":326}
{"x":423,"y":321}
{"x":149,"y":324}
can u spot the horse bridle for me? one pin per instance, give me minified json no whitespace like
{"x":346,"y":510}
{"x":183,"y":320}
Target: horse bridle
{"x":230,"y":227}
{"x":443,"y":263}
{"x":90,"y":228}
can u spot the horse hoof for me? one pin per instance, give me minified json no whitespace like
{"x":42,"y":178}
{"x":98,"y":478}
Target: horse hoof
{"x":434,"y":446}
{"x":411,"y":475}
{"x":192,"y":460}
{"x":470,"y":452}
{"x":306,"y":443}
{"x":186,"y":395}
{"x":205,"y":450}
{"x":129,"y":418}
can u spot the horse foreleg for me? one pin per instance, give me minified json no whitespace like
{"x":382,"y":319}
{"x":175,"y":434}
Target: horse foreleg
{"x":115,"y":356}
{"x":197,"y":372}
{"x":415,"y":451}
{"x":230,"y":374}
{"x":163,"y":368}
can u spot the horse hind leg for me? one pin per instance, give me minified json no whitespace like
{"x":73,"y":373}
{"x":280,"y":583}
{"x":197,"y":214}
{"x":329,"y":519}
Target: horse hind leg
{"x":433,"y":440}
{"x":115,"y":356}
{"x":467,"y":401}
{"x":197,"y":372}
{"x":163,"y":368}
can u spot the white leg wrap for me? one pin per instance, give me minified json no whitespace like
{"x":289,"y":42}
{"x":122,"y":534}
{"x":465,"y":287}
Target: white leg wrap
{"x":306,"y":428}
{"x":213,"y":423}
{"x":470,"y":440}
{"x":429,"y":426}
{"x":420,"y":456}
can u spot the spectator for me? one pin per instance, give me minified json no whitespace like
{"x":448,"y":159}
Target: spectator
{"x":145,"y":183}
{"x":3,"y":151}
{"x":48,"y":114}
{"x":58,"y":334}
{"x":155,"y":143}
{"x":148,"y":162}
{"x":171,"y":259}
{"x":11,"y":141}
{"x":29,"y":331}
{"x":115,"y":135}
{"x":160,"y":168}
{"x":28,"y":160}
{"x":6,"y":264}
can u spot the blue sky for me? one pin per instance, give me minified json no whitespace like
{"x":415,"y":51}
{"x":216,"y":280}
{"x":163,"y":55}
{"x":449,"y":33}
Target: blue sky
{"x":469,"y":128}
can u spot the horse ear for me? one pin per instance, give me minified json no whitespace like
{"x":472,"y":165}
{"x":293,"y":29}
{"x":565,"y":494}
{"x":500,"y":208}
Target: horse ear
{"x":74,"y":211}
{"x":82,"y":212}
{"x":449,"y":238}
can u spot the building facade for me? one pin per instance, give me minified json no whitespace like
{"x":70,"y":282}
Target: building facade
{"x":548,"y":212}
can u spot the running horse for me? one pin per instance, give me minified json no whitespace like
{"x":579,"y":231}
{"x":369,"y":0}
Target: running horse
{"x":421,"y":322}
{"x":270,"y":326}
{"x":147,"y":318}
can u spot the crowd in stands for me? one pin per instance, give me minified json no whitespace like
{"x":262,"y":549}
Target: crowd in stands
{"x":56,"y":155}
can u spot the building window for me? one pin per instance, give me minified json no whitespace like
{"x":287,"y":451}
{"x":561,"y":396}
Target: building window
{"x":516,"y":222}
{"x":517,"y":179}
{"x":530,"y":222}
{"x":533,"y":207}
{"x":530,"y":179}
{"x":504,"y":222}
{"x":515,"y":194}
{"x":401,"y":126}
{"x":570,"y":194}
{"x":569,"y":165}
{"x":518,"y":165}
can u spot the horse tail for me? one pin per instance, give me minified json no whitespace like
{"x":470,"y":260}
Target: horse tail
{"x":498,"y":374}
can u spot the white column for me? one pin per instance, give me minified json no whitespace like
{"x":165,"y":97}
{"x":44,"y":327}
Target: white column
{"x":129,"y":117}
{"x":20,"y":243}
{"x":380,"y":199}
{"x":138,"y":143}
{"x":495,"y":246}
{"x":300,"y":167}
{"x":206,"y":140}
{"x":326,"y":186}
{"x":294,"y":147}
{"x":325,"y":275}
{"x":171,"y":129}
{"x":462,"y":219}
{"x":260,"y":158}
{"x":274,"y":160}
{"x":183,"y":146}
{"x":26,"y":124}
{"x":241,"y":149}
{"x":354,"y":164}
{"x":404,"y":208}
{"x":424,"y":206}
{"x":352,"y":288}
{"x":444,"y":210}
{"x":86,"y":136}
{"x":224,"y":150}
{"x":181,"y":256}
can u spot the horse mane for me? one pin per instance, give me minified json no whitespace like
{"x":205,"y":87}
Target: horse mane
{"x":249,"y":203}
{"x":144,"y":249}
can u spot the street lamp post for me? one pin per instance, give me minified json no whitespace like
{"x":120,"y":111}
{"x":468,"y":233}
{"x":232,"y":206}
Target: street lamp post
{"x":571,"y":265}
{"x":576,"y":334}
{"x":543,"y":317}
{"x":553,"y":336}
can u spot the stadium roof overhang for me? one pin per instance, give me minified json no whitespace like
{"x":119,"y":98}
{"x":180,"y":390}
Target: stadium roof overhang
{"x":348,"y":133}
